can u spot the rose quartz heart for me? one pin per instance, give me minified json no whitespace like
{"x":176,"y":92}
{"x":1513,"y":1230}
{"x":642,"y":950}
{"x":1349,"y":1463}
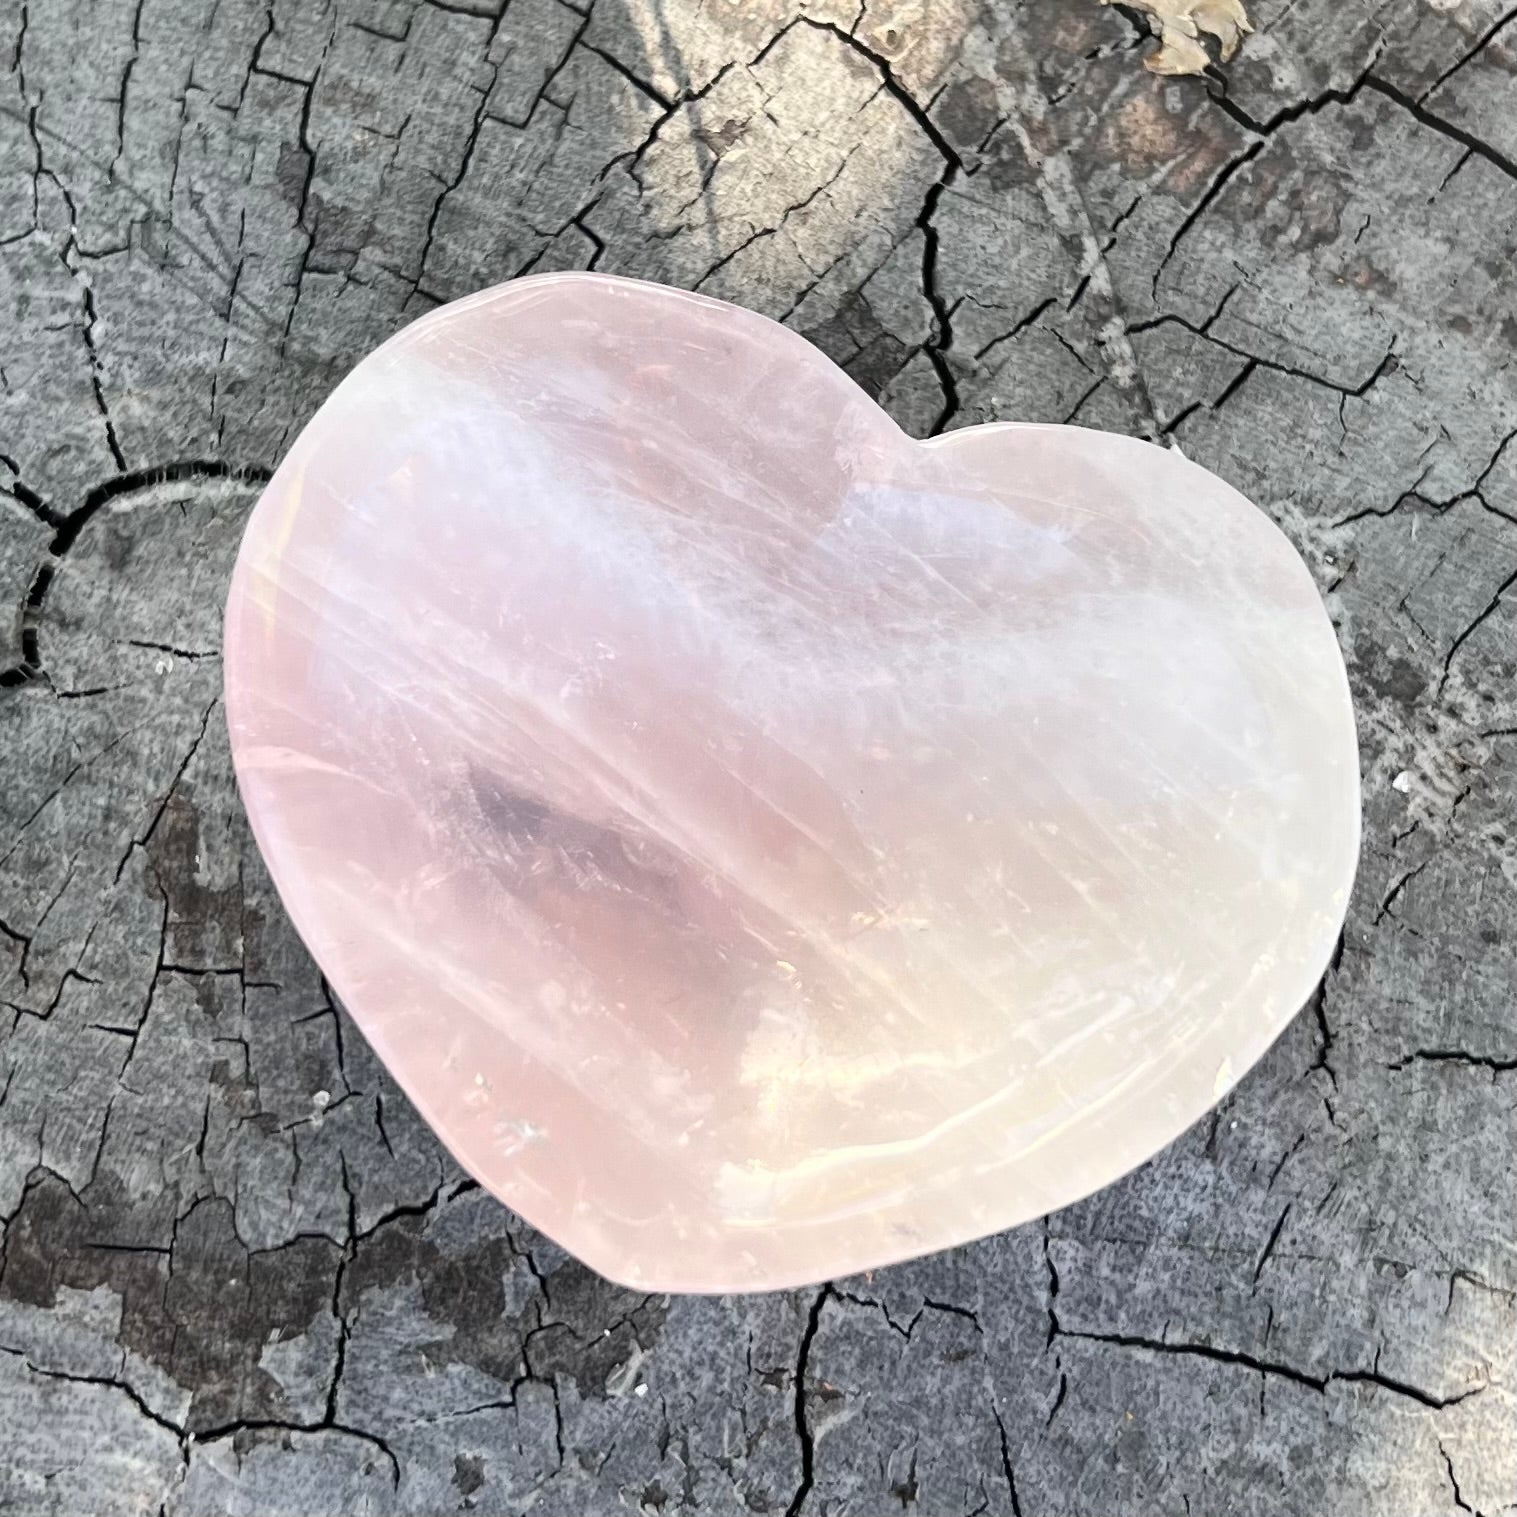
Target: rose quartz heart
{"x":764,"y":846}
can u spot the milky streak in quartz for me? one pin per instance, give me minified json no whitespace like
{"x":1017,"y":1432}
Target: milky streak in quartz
{"x":764,"y":846}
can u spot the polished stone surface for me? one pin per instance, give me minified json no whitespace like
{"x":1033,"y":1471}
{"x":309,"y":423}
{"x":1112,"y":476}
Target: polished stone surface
{"x":762,"y":845}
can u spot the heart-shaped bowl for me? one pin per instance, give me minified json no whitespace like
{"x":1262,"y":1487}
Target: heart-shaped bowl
{"x":762,"y":845}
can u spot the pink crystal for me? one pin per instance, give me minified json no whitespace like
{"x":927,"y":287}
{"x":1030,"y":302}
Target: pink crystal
{"x":764,"y":846}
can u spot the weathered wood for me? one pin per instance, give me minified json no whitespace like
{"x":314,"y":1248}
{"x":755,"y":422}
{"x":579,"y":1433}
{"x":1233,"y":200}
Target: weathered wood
{"x":237,"y":1273}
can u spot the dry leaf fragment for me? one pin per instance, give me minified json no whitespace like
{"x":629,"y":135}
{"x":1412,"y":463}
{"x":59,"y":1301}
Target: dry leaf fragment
{"x":1181,"y":23}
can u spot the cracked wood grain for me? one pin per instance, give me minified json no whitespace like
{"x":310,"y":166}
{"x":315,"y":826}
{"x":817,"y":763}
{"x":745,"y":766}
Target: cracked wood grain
{"x":236,"y":1272}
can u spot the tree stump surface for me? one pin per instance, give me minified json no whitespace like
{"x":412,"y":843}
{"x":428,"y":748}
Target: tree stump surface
{"x":237,"y":1274}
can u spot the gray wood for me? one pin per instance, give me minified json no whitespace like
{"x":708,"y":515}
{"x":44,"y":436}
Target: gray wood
{"x":222,"y":1290}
